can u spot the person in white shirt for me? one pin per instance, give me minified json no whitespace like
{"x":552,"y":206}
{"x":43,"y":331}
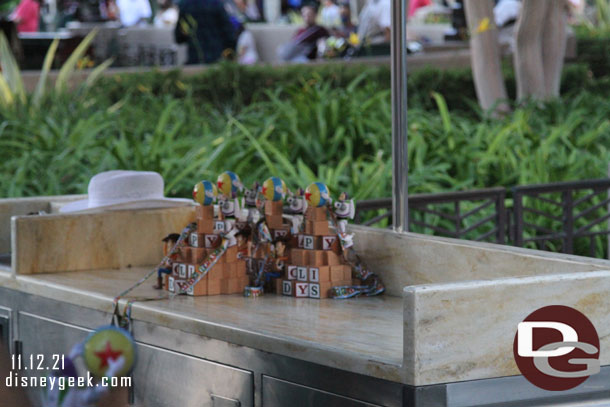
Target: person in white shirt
{"x":167,"y":16}
{"x":132,"y":12}
{"x":375,"y":22}
{"x":246,"y":47}
{"x":330,"y":15}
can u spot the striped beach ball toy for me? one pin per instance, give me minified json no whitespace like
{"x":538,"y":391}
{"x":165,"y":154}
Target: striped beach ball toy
{"x":205,"y":193}
{"x":274,"y":189}
{"x":229,"y":184}
{"x":317,"y":194}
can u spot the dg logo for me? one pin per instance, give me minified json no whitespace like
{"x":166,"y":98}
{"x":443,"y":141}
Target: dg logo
{"x":556,"y":348}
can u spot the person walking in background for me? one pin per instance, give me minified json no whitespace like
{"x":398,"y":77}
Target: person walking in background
{"x":167,"y":16}
{"x":375,"y":22}
{"x":133,"y":12}
{"x":304,"y":45}
{"x":330,"y":15}
{"x":206,"y":27}
{"x":26,"y":16}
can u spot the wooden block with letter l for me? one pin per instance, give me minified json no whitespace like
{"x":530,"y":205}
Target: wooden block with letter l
{"x":319,"y":290}
{"x":314,"y":213}
{"x":171,"y":284}
{"x":204,"y":212}
{"x":288,"y":287}
{"x":274,"y":207}
{"x":274,"y":221}
{"x":316,"y":257}
{"x":302,"y":273}
{"x":205,"y":226}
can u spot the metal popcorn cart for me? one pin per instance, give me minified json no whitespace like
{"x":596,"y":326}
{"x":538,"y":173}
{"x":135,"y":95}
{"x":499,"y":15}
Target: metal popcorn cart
{"x":441,"y":335}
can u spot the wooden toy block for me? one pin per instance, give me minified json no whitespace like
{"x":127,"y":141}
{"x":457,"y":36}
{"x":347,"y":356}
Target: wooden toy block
{"x":221,"y":259}
{"x":279,"y":233}
{"x":205,"y":226}
{"x":316,"y":257}
{"x":332,"y":258}
{"x":274,"y":208}
{"x":165,"y":280}
{"x":300,"y":238}
{"x":197,"y":255}
{"x":319,"y":290}
{"x":297,"y":256}
{"x":302,"y":273}
{"x":214,"y":287}
{"x":245,"y":281}
{"x":170,"y":284}
{"x":288,"y":287}
{"x":225,"y":287}
{"x":274,"y":221}
{"x":231,"y":270}
{"x":231,"y":254}
{"x":204,"y":212}
{"x":211,"y":241}
{"x":317,"y":228}
{"x":190,"y":270}
{"x":278,"y":282}
{"x":301,"y":289}
{"x":240,"y":268}
{"x":236,"y":285}
{"x":309,"y":242}
{"x":347,"y":273}
{"x":337,"y":273}
{"x":218,"y":227}
{"x":217,"y":272}
{"x":197,"y":239}
{"x":330,"y":243}
{"x":317,"y":274}
{"x":181,"y":269}
{"x":201,"y":288}
{"x":315,"y":213}
{"x":291,"y":272}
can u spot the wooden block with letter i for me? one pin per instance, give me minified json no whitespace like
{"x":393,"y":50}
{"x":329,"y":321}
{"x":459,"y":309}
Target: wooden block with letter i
{"x":318,"y":274}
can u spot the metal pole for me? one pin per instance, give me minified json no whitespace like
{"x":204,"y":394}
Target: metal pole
{"x":400,"y":210}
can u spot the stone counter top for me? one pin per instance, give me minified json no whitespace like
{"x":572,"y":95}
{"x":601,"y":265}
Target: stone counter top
{"x":361,"y":335}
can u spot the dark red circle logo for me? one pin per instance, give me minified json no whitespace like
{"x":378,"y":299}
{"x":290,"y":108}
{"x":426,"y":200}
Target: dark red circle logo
{"x":556,"y":348}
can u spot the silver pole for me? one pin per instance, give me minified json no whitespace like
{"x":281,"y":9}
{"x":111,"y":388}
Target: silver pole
{"x":400,"y":210}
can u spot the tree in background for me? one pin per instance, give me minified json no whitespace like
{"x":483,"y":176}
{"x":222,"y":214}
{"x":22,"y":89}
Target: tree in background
{"x":539,"y":52}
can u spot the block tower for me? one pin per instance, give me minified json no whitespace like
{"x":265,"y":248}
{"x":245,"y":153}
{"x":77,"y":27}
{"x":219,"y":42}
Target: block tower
{"x":316,"y":263}
{"x":228,"y":275}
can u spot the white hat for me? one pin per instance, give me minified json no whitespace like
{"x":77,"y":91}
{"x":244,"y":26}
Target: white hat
{"x":125,"y":190}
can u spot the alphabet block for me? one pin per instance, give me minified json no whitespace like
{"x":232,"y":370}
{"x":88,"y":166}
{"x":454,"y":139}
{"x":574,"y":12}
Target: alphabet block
{"x":332,"y":258}
{"x":218,"y":227}
{"x":302,"y":273}
{"x":316,"y":257}
{"x":278,"y":284}
{"x":301,"y":289}
{"x":300,"y":241}
{"x":291,"y":272}
{"x":279,"y":233}
{"x":309,"y":242}
{"x":205,"y":226}
{"x":204,"y":212}
{"x":316,"y":214}
{"x":319,"y":290}
{"x":182,"y":270}
{"x":318,"y":274}
{"x":197,"y":239}
{"x":287,"y":287}
{"x":318,"y":228}
{"x":214,"y":287}
{"x":211,"y":241}
{"x":190,"y":270}
{"x":297,"y":256}
{"x":274,"y":208}
{"x":330,"y":243}
{"x":336,"y":273}
{"x":274,"y":221}
{"x":170,"y":284}
{"x":196,"y":255}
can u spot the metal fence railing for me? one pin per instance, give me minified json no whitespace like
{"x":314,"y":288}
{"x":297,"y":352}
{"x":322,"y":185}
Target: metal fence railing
{"x":566,"y":217}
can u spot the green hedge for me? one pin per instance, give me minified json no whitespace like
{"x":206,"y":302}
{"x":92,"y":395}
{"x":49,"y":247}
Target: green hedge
{"x":231,"y":86}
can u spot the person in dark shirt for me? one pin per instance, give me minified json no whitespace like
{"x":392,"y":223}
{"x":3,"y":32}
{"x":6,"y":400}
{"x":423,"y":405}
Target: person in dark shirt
{"x":304,"y":45}
{"x":205,"y":26}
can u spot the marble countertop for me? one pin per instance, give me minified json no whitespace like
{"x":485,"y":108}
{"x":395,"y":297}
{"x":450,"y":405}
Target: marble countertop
{"x":361,"y":335}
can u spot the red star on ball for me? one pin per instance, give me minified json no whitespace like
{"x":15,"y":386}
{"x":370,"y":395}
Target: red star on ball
{"x":194,"y":194}
{"x":264,"y":190}
{"x":307,"y":196}
{"x":107,"y":354}
{"x":220,"y":183}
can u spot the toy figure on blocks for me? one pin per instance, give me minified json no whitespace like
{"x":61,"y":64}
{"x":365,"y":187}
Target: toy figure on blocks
{"x":208,"y":264}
